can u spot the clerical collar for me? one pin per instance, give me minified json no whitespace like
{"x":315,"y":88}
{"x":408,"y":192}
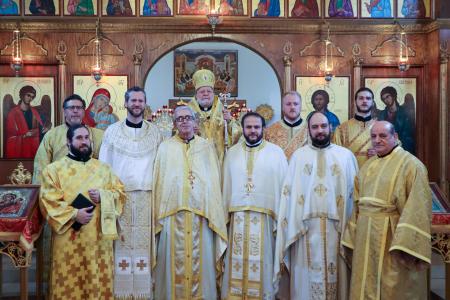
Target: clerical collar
{"x":322,"y":146}
{"x":296,"y":123}
{"x":381,"y":156}
{"x":134,"y":125}
{"x":363,"y":119}
{"x":205,"y":108}
{"x":71,"y":156}
{"x":188,"y":140}
{"x":255,"y":144}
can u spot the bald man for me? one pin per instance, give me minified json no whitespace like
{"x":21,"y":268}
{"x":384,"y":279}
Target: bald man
{"x":392,"y":211}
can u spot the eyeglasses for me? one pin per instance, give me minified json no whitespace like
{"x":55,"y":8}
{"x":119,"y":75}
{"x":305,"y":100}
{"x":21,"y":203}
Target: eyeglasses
{"x":180,"y":119}
{"x":74,"y":107}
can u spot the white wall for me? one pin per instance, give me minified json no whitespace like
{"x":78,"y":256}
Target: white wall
{"x":257,"y":82}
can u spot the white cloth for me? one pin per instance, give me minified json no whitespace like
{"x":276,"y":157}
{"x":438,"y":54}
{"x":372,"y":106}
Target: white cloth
{"x":253,"y":179}
{"x":131,"y":153}
{"x":316,"y":202}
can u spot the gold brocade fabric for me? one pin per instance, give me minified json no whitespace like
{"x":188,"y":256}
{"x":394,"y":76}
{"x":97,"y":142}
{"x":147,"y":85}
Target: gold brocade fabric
{"x":392,"y":211}
{"x":212,"y":126}
{"x":82,"y":262}
{"x":54,"y":147}
{"x":288,"y":138}
{"x":355,"y":135}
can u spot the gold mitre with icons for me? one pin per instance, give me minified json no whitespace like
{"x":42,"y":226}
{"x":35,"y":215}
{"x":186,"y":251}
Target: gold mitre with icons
{"x":203,"y":77}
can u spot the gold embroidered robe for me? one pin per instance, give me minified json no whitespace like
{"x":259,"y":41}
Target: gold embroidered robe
{"x":54,"y":146}
{"x":253,"y":178}
{"x":355,"y":136}
{"x":131,"y":153}
{"x":190,"y":220}
{"x":315,"y":204}
{"x":212,"y":126}
{"x":288,"y":138}
{"x":82,"y":262}
{"x":392,"y":211}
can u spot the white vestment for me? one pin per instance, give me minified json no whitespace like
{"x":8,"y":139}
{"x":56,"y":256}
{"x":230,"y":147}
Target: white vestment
{"x":316,"y":201}
{"x":131,"y":153}
{"x":253,"y":178}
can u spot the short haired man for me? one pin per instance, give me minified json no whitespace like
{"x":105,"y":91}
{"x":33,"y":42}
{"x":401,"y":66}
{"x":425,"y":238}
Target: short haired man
{"x":389,"y":231}
{"x":24,"y":127}
{"x":82,"y":260}
{"x":53,"y":145}
{"x":189,"y":214}
{"x":290,"y":133}
{"x":315,"y":205}
{"x":254,"y":171}
{"x":129,"y":147}
{"x":319,"y":101}
{"x":400,"y":117}
{"x":354,"y":134}
{"x":212,"y":115}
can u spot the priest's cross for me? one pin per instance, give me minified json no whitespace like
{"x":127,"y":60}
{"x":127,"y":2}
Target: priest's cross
{"x":191,"y":178}
{"x":332,"y":268}
{"x":124,"y":265}
{"x":141,"y":265}
{"x":249,"y":186}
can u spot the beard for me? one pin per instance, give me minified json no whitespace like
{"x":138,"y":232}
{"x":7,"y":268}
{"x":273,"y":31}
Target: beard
{"x":84,"y":155}
{"x":321,"y":143}
{"x":250,"y":142}
{"x":364,"y":111}
{"x":136,"y":115}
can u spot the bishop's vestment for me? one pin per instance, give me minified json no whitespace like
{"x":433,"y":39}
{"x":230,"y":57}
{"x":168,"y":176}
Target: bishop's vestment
{"x":81,"y":261}
{"x":315,"y":204}
{"x":392,"y":211}
{"x":131,"y":152}
{"x":190,"y":220}
{"x":253,"y":177}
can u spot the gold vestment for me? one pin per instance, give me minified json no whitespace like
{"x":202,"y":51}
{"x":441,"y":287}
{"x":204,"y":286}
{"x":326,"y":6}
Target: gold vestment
{"x":392,"y":211}
{"x":288,"y":138}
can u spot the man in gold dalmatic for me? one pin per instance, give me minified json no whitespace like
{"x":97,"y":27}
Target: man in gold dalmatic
{"x":212,"y":114}
{"x":189,"y":214}
{"x":129,"y":147}
{"x":290,"y":133}
{"x":389,"y":231}
{"x":314,"y":208}
{"x":54,"y":146}
{"x":254,"y":171}
{"x":354,"y":134}
{"x":82,"y":260}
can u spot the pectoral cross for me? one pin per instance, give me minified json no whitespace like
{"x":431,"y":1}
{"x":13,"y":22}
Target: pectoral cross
{"x":249,"y":186}
{"x":191,"y":178}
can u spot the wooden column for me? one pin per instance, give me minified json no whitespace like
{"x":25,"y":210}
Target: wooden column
{"x":287,"y":61}
{"x":23,"y":283}
{"x":137,"y":61}
{"x":443,"y":125}
{"x":61,"y":58}
{"x":357,"y":68}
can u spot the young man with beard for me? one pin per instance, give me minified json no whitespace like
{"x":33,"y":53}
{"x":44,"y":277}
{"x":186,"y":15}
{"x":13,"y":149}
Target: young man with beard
{"x":129,"y":147}
{"x":189,"y":214}
{"x":354,"y":134}
{"x":212,"y":114}
{"x":254,"y":171}
{"x":389,"y":231}
{"x":291,"y":132}
{"x":82,"y":260}
{"x":315,"y":204}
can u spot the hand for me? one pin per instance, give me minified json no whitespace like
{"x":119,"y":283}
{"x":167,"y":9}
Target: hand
{"x":226,"y":115}
{"x":84,"y":216}
{"x":94,"y":194}
{"x":371,"y":152}
{"x":30,"y":133}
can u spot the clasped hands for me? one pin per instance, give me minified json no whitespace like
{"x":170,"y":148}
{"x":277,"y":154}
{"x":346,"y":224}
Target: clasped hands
{"x":85,"y":215}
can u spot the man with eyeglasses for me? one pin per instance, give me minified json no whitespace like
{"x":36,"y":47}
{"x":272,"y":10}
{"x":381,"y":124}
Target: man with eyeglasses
{"x":24,"y":126}
{"x":129,"y":147}
{"x":54,"y":147}
{"x":212,"y":115}
{"x":189,"y":216}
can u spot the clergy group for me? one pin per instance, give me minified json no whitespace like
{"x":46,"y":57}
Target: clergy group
{"x":230,"y":209}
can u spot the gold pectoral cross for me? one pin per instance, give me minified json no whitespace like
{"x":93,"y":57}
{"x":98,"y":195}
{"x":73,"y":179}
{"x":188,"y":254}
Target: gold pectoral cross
{"x":191,"y":178}
{"x":249,"y":186}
